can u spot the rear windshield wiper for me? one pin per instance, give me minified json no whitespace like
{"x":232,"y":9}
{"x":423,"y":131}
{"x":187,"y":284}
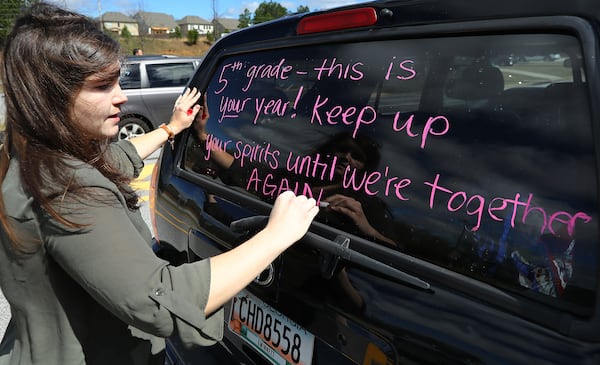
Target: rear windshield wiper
{"x":343,"y":251}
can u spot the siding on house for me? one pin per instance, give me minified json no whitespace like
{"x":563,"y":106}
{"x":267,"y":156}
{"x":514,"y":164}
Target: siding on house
{"x":227,"y":25}
{"x":155,"y":23}
{"x":192,"y":22}
{"x":150,"y":23}
{"x":115,"y":22}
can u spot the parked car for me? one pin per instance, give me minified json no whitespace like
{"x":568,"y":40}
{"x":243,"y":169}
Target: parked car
{"x":151,"y":83}
{"x":459,"y":195}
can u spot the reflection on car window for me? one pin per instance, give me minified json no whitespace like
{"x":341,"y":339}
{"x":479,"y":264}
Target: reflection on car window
{"x":130,"y":76}
{"x":480,"y":156}
{"x":169,"y":74}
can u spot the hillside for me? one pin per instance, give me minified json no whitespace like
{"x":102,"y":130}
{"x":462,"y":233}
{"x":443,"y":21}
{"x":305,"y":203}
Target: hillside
{"x":170,"y":46}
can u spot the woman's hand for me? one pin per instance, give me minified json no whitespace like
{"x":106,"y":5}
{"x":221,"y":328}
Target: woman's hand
{"x":291,"y":216}
{"x":352,"y":208}
{"x":232,"y":270}
{"x":185,"y":110}
{"x":201,"y":120}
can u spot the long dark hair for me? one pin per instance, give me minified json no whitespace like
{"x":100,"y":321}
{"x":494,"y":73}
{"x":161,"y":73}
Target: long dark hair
{"x":47,"y":57}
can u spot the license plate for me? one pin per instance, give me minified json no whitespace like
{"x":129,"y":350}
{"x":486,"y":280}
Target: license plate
{"x":276,"y":337}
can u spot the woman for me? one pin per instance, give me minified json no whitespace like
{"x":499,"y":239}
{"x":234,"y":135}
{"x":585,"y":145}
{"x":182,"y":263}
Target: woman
{"x":75,"y":259}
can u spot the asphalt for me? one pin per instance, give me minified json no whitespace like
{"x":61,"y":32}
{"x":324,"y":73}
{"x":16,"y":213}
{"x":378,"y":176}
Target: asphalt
{"x":4,"y":314}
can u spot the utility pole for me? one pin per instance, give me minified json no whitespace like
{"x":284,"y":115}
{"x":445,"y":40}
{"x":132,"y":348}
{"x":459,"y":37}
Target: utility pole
{"x":216,"y":32}
{"x":100,"y":15}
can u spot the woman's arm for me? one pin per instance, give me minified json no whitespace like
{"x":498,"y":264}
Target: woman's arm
{"x":353,"y":208}
{"x":114,"y":264}
{"x":180,"y":120}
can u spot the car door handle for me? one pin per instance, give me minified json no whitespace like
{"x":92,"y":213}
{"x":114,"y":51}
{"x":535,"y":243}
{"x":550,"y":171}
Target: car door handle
{"x":258,"y":222}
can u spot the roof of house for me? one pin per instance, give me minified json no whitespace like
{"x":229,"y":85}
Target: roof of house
{"x":113,"y":16}
{"x":163,"y":20}
{"x":192,"y":19}
{"x":156,"y":19}
{"x":229,"y":23}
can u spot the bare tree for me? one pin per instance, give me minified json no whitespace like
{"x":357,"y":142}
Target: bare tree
{"x":142,"y":23}
{"x":216,"y":28}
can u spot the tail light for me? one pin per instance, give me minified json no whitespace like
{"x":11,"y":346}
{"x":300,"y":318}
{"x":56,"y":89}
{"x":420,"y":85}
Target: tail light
{"x":339,"y":20}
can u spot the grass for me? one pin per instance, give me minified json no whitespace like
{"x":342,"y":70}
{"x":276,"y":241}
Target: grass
{"x":170,"y":46}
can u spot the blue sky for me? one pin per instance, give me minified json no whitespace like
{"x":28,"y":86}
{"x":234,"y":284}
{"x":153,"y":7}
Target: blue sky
{"x":181,"y":8}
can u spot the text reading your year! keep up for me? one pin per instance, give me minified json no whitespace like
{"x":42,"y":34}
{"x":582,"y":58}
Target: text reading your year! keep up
{"x":519,"y":207}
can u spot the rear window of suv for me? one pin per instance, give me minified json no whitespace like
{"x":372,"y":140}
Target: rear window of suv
{"x":130,"y":76}
{"x":169,"y":74}
{"x":156,"y":74}
{"x":472,"y":153}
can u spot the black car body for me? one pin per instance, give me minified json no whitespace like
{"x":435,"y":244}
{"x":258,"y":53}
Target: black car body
{"x":477,"y":173}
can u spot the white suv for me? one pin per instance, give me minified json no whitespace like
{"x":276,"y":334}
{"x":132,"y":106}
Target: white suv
{"x":151,"y":83}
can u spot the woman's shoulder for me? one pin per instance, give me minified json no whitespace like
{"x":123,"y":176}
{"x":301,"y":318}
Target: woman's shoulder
{"x":83,"y":174}
{"x":121,"y":155}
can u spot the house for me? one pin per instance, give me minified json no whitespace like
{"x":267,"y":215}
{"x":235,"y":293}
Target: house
{"x":226,"y":25}
{"x":155,"y":23}
{"x":115,"y":22}
{"x":150,"y":23}
{"x":192,"y":22}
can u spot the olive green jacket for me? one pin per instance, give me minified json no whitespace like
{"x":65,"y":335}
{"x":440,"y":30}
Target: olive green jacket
{"x":95,"y":295}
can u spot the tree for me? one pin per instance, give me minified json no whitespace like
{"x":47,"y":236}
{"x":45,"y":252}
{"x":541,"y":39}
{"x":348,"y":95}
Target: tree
{"x":177,"y":33}
{"x":268,"y":11}
{"x":192,"y":36}
{"x":9,"y":10}
{"x":245,"y":19}
{"x":215,"y":21}
{"x":125,"y":33}
{"x":302,"y":9}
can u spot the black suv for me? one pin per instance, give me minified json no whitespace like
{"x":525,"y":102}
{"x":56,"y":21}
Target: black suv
{"x":453,"y":149}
